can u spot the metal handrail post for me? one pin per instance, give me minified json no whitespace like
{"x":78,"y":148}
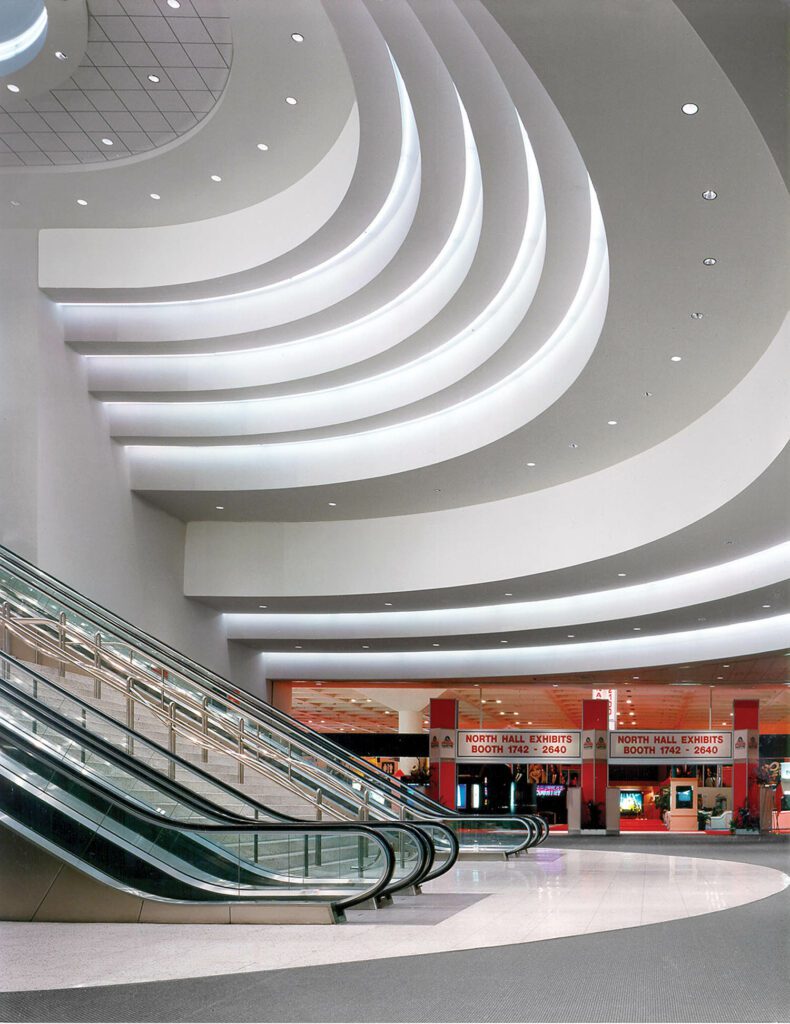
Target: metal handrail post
{"x":129,"y":715}
{"x":97,"y":664}
{"x":62,"y":645}
{"x":241,"y":751}
{"x":204,"y":728}
{"x":171,"y":739}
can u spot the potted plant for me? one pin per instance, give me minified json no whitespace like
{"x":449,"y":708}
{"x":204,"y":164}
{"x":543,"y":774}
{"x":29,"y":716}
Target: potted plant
{"x":744,"y":822}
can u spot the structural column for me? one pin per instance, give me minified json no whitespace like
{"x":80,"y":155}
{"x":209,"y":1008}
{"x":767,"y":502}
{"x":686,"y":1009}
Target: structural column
{"x":746,"y":756}
{"x":595,"y":748}
{"x":442,"y":750}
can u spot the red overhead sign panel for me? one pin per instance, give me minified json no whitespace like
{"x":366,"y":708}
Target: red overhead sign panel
{"x":507,"y":745}
{"x":684,"y":747}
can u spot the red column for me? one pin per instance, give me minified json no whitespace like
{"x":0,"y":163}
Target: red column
{"x":746,"y":756}
{"x":595,"y":751}
{"x":443,"y":719}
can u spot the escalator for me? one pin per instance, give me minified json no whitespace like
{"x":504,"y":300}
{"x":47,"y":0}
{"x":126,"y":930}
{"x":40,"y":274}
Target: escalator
{"x":137,"y":769}
{"x":87,"y":834}
{"x":236,"y":737}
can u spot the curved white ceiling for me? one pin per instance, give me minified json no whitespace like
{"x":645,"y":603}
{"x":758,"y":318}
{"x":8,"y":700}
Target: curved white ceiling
{"x":455,"y":347}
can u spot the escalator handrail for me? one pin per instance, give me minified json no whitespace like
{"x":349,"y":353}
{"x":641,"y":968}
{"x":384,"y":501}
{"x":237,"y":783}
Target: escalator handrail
{"x":430,"y":869}
{"x":185,"y":796}
{"x":317,"y":743}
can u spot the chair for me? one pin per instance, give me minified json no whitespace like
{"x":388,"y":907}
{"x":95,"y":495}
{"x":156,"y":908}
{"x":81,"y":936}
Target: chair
{"x":721,"y":823}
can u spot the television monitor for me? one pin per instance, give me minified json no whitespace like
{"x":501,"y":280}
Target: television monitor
{"x":684,"y":797}
{"x":631,"y":803}
{"x":545,"y":789}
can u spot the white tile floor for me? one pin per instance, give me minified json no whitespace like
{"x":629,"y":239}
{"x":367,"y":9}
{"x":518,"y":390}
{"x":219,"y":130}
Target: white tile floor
{"x":544,"y":895}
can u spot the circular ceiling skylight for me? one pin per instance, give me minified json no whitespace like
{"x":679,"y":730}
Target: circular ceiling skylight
{"x":23,"y":29}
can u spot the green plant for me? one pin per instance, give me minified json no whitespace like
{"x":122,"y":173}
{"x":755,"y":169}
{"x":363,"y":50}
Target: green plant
{"x":662,"y":800}
{"x":744,"y":819}
{"x":702,"y":820}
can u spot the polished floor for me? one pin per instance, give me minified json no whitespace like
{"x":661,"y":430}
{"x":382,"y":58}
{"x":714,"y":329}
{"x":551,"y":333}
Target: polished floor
{"x":722,"y":954}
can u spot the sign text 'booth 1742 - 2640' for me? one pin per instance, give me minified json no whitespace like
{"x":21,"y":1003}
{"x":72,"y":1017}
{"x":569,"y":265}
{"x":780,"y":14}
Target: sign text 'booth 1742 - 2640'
{"x":512,"y":745}
{"x":683,"y":747}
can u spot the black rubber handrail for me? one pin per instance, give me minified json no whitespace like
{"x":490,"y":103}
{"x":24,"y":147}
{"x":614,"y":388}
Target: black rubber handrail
{"x":193,"y":801}
{"x":316,"y":742}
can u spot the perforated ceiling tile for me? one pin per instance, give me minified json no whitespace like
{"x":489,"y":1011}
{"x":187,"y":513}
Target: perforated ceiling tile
{"x":110,"y":94}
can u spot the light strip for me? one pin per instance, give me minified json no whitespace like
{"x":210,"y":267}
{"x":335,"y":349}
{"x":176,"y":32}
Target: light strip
{"x":740,"y":638}
{"x":728,"y":579}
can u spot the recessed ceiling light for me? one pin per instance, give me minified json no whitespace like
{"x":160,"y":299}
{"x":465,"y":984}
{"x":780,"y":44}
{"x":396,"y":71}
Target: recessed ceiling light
{"x":710,"y":261}
{"x":297,"y":37}
{"x":637,"y":629}
{"x":709,"y":194}
{"x":634,"y":677}
{"x":676,"y":359}
{"x":15,"y":202}
{"x":702,"y":618}
{"x":766,"y":606}
{"x":60,"y":55}
{"x":611,"y":423}
{"x":508,"y":594}
{"x":629,"y":701}
{"x":725,"y":666}
{"x":153,"y":78}
{"x":175,"y":4}
{"x":531,"y":465}
{"x":220,"y":508}
{"x":517,"y":723}
{"x":297,"y":647}
{"x":696,"y":316}
{"x":388,"y":604}
{"x":689,"y":108}
{"x":262,"y":147}
{"x":216,"y":177}
{"x":106,"y":142}
{"x":571,"y":636}
{"x":572,"y":444}
{"x":435,"y":645}
{"x":622,"y":574}
{"x":263,"y":606}
{"x":719,"y":677}
{"x":368,"y":700}
{"x":82,"y":202}
{"x":632,"y":713}
{"x":498,"y":702}
{"x":529,"y":723}
{"x":12,"y":88}
{"x":501,"y":712}
{"x":503,"y":641}
{"x":555,"y":686}
{"x":366,"y":647}
{"x":154,"y":195}
{"x":647,"y":394}
{"x":291,"y":101}
{"x":332,"y":504}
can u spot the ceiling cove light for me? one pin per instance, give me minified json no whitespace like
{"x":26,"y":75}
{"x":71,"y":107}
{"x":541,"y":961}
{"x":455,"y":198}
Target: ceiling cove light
{"x":689,"y":108}
{"x":709,"y":194}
